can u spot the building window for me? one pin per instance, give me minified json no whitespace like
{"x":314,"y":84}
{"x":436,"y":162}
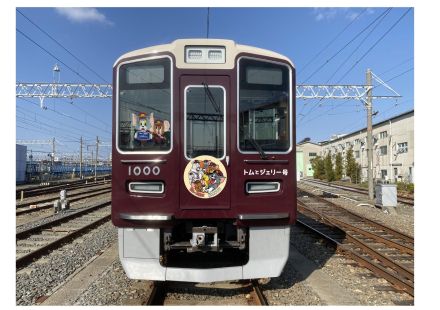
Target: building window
{"x":383,"y":174}
{"x":357,"y":141}
{"x":312,"y":154}
{"x":402,"y":147}
{"x":357,"y":154}
{"x":383,"y":150}
{"x":383,"y":135}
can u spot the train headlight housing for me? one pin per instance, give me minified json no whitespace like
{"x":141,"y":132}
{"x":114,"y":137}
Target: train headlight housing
{"x":146,"y":187}
{"x":205,"y":54}
{"x":262,"y":187}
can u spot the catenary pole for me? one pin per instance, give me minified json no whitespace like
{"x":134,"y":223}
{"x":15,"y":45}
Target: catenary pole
{"x":369,"y":106}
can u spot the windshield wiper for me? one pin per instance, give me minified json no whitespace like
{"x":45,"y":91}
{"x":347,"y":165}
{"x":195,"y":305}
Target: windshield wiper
{"x":211,"y":97}
{"x":258,"y":147}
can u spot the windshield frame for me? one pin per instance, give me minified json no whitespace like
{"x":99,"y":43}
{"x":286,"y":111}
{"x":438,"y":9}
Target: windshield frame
{"x":146,"y":58}
{"x":290,"y":106}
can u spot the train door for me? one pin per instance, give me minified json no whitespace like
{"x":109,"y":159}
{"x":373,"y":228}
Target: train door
{"x":205,"y":153}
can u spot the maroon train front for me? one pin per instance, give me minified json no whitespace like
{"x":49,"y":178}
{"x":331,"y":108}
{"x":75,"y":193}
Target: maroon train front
{"x":204,"y":179}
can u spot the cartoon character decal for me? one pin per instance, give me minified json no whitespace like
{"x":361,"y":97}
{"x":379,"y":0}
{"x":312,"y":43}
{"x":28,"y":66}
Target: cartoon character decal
{"x":150,"y":130}
{"x":205,"y":176}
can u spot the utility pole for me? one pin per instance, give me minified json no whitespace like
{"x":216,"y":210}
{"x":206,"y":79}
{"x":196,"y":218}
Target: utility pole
{"x":80,"y":157}
{"x":96,"y":158}
{"x":369,"y":106}
{"x":53,"y":157}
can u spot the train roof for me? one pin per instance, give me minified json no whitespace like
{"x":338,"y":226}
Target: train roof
{"x":177,"y":48}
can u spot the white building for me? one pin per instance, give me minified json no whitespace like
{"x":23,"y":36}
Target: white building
{"x":393,"y":148}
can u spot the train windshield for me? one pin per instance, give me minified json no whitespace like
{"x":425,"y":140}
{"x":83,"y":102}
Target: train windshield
{"x":144,"y":106}
{"x":205,"y":121}
{"x":264,"y":115}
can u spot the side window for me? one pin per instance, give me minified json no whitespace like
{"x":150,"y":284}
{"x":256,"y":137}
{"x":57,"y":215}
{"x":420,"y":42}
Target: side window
{"x":263,"y":108}
{"x":144,"y":106}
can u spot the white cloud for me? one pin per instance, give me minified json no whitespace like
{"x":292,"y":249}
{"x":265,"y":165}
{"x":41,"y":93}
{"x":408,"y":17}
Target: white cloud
{"x":332,"y":13}
{"x":83,"y":15}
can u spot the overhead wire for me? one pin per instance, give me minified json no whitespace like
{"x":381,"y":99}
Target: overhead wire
{"x":63,"y":47}
{"x":368,"y":51}
{"x":45,"y":50}
{"x":380,"y":17}
{"x":68,"y":116}
{"x":343,"y":48}
{"x":358,"y":46}
{"x":52,"y":120}
{"x":331,"y":41}
{"x":375,"y":43}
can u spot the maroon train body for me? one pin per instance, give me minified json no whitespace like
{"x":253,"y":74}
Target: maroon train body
{"x":204,"y":179}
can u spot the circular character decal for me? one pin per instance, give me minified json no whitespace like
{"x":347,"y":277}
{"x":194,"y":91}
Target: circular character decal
{"x":205,"y":176}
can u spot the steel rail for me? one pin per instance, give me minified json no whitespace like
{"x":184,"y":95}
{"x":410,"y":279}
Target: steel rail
{"x":257,"y":296}
{"x":57,"y":188}
{"x":24,"y":233}
{"x":364,"y":246}
{"x":405,"y":200}
{"x":32,"y":188}
{"x":80,"y":196}
{"x":375,"y":268}
{"x":159,"y":291}
{"x":52,"y":197}
{"x":403,"y":236}
{"x":397,"y":277}
{"x":28,"y":258}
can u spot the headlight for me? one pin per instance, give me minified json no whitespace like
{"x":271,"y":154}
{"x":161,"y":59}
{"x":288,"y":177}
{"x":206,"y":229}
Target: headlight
{"x":146,"y":187}
{"x":262,"y":187}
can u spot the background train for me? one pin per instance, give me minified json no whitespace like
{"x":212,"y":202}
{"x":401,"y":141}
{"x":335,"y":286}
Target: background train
{"x":204,"y":179}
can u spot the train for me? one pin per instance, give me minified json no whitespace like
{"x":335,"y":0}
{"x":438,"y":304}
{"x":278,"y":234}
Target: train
{"x":204,"y":169}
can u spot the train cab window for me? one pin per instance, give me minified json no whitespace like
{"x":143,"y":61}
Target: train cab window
{"x":204,"y":121}
{"x":144,"y":106}
{"x":264,"y":110}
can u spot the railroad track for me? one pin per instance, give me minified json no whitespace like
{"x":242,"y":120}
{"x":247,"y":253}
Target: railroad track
{"x":386,"y":252}
{"x":47,"y":189}
{"x":36,"y":241}
{"x":47,"y":202}
{"x":158,"y":295}
{"x":400,"y":198}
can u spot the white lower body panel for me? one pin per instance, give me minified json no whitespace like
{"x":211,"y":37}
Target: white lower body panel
{"x":268,"y":253}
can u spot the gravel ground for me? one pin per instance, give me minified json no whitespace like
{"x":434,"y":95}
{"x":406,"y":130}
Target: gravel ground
{"x":51,"y":270}
{"x":401,"y":220}
{"x":114,"y":288}
{"x":289,"y":290}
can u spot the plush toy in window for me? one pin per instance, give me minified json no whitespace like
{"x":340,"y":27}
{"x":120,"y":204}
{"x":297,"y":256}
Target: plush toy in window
{"x":142,"y":134}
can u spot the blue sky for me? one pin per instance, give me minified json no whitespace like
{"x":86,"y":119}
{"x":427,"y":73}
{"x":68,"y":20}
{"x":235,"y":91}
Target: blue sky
{"x":308,"y":36}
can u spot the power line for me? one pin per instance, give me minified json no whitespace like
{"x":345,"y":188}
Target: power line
{"x":81,"y":131}
{"x":340,"y":50}
{"x":331,"y":41}
{"x":375,"y":43}
{"x":359,"y":45}
{"x":68,"y":116}
{"x":59,"y":44}
{"x":345,"y":61}
{"x":207,"y":25}
{"x":27,"y":37}
{"x":396,"y":66}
